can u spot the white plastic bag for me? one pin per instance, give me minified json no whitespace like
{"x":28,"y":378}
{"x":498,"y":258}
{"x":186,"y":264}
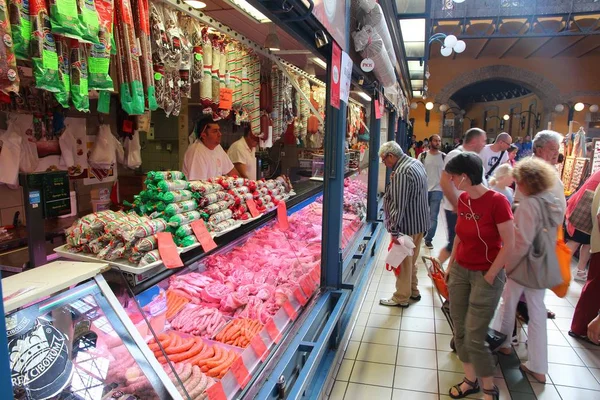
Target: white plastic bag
{"x":29,"y":156}
{"x":10,"y":157}
{"x":120,"y":151}
{"x":103,"y":154}
{"x":68,"y":147}
{"x":134,"y":151}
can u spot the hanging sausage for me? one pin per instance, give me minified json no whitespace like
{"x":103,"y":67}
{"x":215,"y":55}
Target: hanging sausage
{"x":99,"y":56}
{"x":216,"y":64}
{"x":20,"y":24}
{"x":43,"y":49}
{"x":198,"y":54}
{"x":9,"y":78}
{"x":79,"y":76}
{"x":142,"y":30}
{"x":206,"y":86}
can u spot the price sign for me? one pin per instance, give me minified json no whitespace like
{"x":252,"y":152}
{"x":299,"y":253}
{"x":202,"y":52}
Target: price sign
{"x":259,"y":347}
{"x":282,"y":217}
{"x":168,"y":250}
{"x":252,"y":208}
{"x":216,"y":392}
{"x":225,"y":98}
{"x":289,"y":310}
{"x":273,"y":331}
{"x":240,"y":372}
{"x":206,"y":241}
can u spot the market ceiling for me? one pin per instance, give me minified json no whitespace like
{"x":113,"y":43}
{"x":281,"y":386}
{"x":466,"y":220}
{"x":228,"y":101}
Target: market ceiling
{"x":490,"y":90}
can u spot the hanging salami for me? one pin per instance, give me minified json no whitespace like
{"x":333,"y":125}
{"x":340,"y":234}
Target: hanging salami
{"x":20,"y":24}
{"x":88,"y":18}
{"x":206,"y":86}
{"x":142,"y":30}
{"x":198,"y":54}
{"x":64,"y":71}
{"x":173,"y":58}
{"x":185,"y":67}
{"x":236,"y":76}
{"x":216,"y":64}
{"x":99,"y":55}
{"x":160,"y":51}
{"x":79,"y":77}
{"x":43,"y":49}
{"x":9,"y":78}
{"x":130,"y":58}
{"x":64,"y":18}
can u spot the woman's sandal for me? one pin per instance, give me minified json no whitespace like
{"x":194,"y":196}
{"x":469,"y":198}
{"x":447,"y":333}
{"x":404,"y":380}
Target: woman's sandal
{"x":474,"y":389}
{"x":495,"y":393}
{"x":535,"y":375}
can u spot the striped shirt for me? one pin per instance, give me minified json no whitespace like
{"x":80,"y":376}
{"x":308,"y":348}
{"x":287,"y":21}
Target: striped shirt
{"x":405,"y":202}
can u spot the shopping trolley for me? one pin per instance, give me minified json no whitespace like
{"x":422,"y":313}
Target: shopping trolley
{"x":437,"y":275}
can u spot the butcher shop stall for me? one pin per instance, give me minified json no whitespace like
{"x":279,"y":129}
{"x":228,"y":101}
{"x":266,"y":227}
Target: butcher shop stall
{"x":124,"y":279}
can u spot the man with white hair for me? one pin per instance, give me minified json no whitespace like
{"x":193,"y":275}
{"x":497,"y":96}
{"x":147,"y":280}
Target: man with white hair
{"x":406,"y":211}
{"x":493,"y":155}
{"x":546,"y":145}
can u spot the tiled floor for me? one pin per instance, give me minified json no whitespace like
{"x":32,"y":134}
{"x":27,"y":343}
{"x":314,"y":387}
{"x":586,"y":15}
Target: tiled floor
{"x":405,"y":354}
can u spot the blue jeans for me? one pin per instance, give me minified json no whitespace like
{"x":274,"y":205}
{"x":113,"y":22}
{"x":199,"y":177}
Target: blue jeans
{"x":435,"y":199}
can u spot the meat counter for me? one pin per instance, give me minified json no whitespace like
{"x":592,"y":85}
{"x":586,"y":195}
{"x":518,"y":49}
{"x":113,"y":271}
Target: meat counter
{"x":234,"y":312}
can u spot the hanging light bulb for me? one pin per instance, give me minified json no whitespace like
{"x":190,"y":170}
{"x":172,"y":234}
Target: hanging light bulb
{"x":446,"y":51}
{"x":559,"y":108}
{"x":579,"y":106}
{"x":444,"y":107}
{"x":460,"y":46}
{"x":594,"y":108}
{"x":450,"y":41}
{"x":506,"y":117}
{"x":413,"y":105}
{"x":429,"y":105}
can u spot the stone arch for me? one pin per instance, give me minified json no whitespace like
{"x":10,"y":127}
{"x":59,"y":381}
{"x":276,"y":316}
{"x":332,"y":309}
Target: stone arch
{"x":548,"y":93}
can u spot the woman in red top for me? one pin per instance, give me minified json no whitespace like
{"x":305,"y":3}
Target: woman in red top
{"x":484,"y":233}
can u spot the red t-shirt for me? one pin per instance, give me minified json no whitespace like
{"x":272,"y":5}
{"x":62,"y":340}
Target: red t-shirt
{"x":486,"y":212}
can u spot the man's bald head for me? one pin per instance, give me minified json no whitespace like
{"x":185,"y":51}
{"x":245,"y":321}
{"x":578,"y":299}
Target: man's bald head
{"x":504,"y":137}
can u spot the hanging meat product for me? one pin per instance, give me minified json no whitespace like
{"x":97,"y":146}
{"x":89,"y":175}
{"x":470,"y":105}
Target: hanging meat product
{"x":88,"y":19}
{"x":216,"y":64}
{"x":160,"y":51}
{"x":99,"y":57}
{"x":79,"y":76}
{"x":185,"y":67}
{"x":64,"y":18}
{"x":9,"y":78}
{"x":142,"y":30}
{"x":20,"y":24}
{"x":64,"y":71}
{"x":198,"y":54}
{"x":43,"y":49}
{"x":236,"y":76}
{"x":255,"y":94}
{"x":132,"y":89}
{"x":206,"y":86}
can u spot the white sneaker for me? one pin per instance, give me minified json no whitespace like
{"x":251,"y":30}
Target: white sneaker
{"x":581,"y":275}
{"x":392,"y":303}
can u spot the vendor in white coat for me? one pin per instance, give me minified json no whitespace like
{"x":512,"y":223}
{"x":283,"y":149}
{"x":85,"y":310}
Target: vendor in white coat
{"x":205,"y":158}
{"x":242,"y":153}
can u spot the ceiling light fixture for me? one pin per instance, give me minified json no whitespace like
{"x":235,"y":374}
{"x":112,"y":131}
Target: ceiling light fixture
{"x":272,"y":40}
{"x":319,"y":62}
{"x":364,"y":96}
{"x":245,"y":7}
{"x":579,"y":106}
{"x":195,"y":4}
{"x":506,"y":117}
{"x":449,"y":44}
{"x":429,"y":105}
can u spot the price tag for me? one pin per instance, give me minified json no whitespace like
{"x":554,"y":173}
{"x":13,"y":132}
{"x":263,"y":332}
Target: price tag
{"x":300,"y":296}
{"x":273,"y":331}
{"x":282,"y":217}
{"x":127,"y":126}
{"x":289,"y":310}
{"x":242,"y":376}
{"x":216,"y":392}
{"x":252,"y":208}
{"x":168,"y":250}
{"x":315,"y":274}
{"x":225,"y":98}
{"x":206,"y":241}
{"x":259,"y":347}
{"x":307,"y":285}
{"x":377,"y":109}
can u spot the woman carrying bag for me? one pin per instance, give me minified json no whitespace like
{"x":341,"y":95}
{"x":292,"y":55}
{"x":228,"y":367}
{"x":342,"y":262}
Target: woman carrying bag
{"x":532,"y":266}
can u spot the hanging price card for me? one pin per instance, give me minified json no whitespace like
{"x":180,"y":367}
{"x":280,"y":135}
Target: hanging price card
{"x":273,"y":331}
{"x":225,"y":98}
{"x":289,"y":310}
{"x":206,"y":241}
{"x":282,"y":217}
{"x":240,"y":372}
{"x":168,"y":250}
{"x":259,"y":347}
{"x":216,"y":392}
{"x":300,"y":296}
{"x":252,"y":208}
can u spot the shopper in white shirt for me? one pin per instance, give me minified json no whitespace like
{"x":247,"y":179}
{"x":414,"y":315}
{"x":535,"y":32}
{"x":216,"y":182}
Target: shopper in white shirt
{"x":496,"y":154}
{"x":433,"y":160}
{"x":205,"y":158}
{"x":474,"y":141}
{"x":242,"y":153}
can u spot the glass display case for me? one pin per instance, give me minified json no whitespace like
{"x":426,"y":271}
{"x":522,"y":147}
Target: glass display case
{"x":75,"y":344}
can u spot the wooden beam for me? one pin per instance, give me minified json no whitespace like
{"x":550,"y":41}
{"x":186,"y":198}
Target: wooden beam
{"x":482,"y":48}
{"x":589,"y":51}
{"x":569,"y":46}
{"x":539,"y":47}
{"x":509,"y":48}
